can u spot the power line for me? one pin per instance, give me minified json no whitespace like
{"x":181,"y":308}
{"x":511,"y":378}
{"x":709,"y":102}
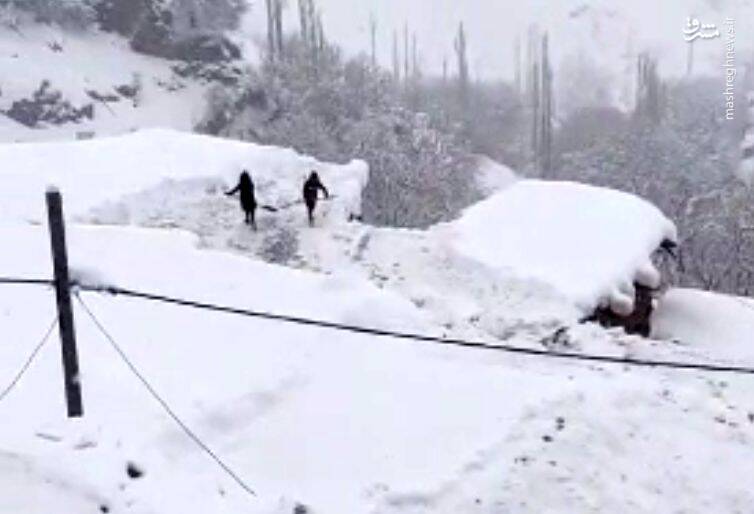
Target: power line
{"x":25,"y":281}
{"x":627,"y":361}
{"x":163,"y":403}
{"x":17,"y":378}
{"x":607,"y":359}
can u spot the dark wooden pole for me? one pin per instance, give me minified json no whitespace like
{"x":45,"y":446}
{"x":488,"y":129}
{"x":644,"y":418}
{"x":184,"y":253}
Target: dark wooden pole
{"x":65,"y":310}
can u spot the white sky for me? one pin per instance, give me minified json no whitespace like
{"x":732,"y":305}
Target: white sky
{"x":493,"y":24}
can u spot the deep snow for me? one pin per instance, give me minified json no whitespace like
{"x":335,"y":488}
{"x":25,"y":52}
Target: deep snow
{"x":339,"y":422}
{"x":100,"y":172}
{"x":591,"y":243}
{"x":721,"y":324}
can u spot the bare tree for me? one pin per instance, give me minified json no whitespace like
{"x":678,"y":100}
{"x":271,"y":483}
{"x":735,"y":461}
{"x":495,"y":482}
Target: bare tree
{"x":416,"y":72}
{"x":545,"y":146}
{"x":406,"y":73}
{"x":463,"y":66}
{"x":279,"y":26}
{"x":649,"y":89}
{"x":396,"y":58}
{"x":373,"y":38}
{"x":517,"y":64}
{"x":303,"y":14}
{"x":270,"y":4}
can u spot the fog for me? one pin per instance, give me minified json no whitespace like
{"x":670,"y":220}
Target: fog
{"x":607,"y":30}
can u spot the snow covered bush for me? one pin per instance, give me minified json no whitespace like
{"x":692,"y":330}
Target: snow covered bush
{"x":47,"y":106}
{"x":204,"y":16}
{"x":121,"y":16}
{"x":153,"y":33}
{"x":183,"y":29}
{"x":70,"y":14}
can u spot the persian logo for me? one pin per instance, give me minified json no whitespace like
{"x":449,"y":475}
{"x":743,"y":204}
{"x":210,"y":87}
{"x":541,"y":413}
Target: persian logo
{"x":695,"y":30}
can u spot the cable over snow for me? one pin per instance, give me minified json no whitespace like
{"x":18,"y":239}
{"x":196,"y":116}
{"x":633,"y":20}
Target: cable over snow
{"x":591,"y":243}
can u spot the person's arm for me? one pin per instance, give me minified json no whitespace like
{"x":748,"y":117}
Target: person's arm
{"x":324,"y":190}
{"x":234,"y":190}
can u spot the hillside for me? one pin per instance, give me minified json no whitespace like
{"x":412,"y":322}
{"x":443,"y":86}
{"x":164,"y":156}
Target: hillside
{"x":89,"y":71}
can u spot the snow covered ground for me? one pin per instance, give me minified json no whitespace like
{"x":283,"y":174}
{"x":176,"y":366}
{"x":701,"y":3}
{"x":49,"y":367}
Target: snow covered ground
{"x":493,"y":176}
{"x":721,"y":324}
{"x":337,"y":422}
{"x":340,"y":423}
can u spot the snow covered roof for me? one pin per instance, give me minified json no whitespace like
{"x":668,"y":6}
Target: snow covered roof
{"x":590,"y":243}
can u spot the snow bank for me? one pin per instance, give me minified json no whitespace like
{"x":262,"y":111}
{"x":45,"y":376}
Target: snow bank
{"x":102,"y":171}
{"x":720,"y":324}
{"x":590,"y":243}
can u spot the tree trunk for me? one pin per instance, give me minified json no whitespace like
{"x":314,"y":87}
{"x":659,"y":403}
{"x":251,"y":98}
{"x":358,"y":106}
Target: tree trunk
{"x":270,"y":29}
{"x":373,"y":38}
{"x":279,"y":26}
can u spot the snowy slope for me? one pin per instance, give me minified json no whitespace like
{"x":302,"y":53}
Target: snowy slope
{"x":590,"y":243}
{"x":92,"y":61}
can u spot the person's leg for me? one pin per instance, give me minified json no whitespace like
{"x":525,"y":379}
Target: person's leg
{"x":310,"y":211}
{"x":254,"y":220}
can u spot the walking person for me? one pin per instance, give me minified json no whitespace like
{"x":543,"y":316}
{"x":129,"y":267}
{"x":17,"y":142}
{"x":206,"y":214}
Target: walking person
{"x":312,"y":186}
{"x":248,"y":201}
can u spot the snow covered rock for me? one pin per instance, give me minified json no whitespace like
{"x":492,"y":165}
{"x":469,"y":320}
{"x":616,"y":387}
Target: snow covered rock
{"x":592,"y":244}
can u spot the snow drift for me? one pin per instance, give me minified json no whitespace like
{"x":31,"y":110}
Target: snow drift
{"x":591,"y":243}
{"x":720,"y":324}
{"x":102,"y":171}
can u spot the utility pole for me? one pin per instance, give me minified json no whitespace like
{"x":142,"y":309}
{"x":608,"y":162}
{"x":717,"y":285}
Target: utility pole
{"x":65,"y":309}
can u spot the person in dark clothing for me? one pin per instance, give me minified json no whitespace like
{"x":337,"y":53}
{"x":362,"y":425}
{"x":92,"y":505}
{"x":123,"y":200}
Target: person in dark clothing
{"x":312,"y":186}
{"x":248,"y":201}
